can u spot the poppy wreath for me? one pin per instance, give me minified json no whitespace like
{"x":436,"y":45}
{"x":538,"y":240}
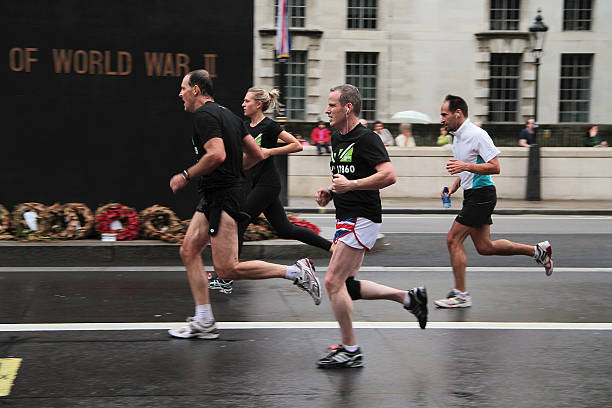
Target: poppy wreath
{"x":157,"y":220}
{"x":303,"y":223}
{"x":65,"y":221}
{"x":21,"y":227}
{"x":5,"y":224}
{"x":128,"y":217}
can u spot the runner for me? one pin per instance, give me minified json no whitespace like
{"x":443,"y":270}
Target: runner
{"x":475,"y":159}
{"x":219,"y":138}
{"x":263,"y":183}
{"x":361,"y":167}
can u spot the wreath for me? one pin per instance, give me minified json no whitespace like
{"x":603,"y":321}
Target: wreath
{"x":128,"y":217}
{"x":157,"y":220}
{"x":175,"y":233}
{"x":5,"y":223}
{"x":303,"y":223}
{"x":79,"y":220}
{"x":65,"y":221}
{"x":18,"y":221}
{"x":258,"y":230}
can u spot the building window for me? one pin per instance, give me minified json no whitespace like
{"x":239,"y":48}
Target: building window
{"x":575,"y":87}
{"x":296,"y":13}
{"x":361,"y":71}
{"x":504,"y":78}
{"x":505,"y":14}
{"x":295,"y":84}
{"x":577,"y":15}
{"x":362,"y":14}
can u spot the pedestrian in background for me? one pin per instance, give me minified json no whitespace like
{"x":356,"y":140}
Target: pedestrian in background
{"x":321,"y":137}
{"x":527,"y":136}
{"x":592,"y":138}
{"x":405,"y":138}
{"x":383,"y":133}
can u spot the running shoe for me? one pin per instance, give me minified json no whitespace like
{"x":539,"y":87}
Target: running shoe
{"x":454,"y":299}
{"x":196,"y":329}
{"x":339,"y":357}
{"x":216,"y":283}
{"x":545,"y":257}
{"x":307,"y":280}
{"x":418,"y":304}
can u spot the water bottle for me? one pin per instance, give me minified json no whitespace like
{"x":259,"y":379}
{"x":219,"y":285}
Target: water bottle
{"x":446,"y":200}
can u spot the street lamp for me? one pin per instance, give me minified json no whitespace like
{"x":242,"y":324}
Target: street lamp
{"x":537,"y":34}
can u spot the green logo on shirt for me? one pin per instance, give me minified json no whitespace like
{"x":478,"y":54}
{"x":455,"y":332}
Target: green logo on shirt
{"x":346,"y":155}
{"x":258,"y":139}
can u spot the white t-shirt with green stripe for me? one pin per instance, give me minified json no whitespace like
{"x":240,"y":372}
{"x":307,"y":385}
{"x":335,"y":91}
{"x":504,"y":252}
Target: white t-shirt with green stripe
{"x":473,"y":145}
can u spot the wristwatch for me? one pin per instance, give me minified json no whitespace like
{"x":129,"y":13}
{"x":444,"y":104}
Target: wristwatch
{"x":186,"y":175}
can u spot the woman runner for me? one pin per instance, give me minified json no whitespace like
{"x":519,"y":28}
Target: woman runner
{"x":262,"y":184}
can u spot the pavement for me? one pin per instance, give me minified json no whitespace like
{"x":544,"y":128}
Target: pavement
{"x":152,"y":252}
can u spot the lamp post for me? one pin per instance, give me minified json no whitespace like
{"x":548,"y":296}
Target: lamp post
{"x":537,"y":34}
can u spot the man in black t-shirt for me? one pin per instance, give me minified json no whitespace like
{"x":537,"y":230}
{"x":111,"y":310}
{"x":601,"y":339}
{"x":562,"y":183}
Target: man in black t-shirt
{"x":219,"y":138}
{"x":527,"y":136}
{"x":361,"y":167}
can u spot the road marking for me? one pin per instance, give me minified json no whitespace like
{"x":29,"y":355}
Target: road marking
{"x":37,"y":327}
{"x":8,"y":373}
{"x":537,"y":269}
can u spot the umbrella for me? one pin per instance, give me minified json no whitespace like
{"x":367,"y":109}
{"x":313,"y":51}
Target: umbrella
{"x":411,"y":116}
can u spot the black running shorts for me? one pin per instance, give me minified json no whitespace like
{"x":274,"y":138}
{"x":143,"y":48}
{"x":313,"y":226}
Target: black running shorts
{"x":478,"y":205}
{"x":213,"y":202}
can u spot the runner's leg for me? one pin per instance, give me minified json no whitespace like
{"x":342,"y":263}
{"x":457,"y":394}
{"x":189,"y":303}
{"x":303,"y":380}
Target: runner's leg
{"x":454,"y":242}
{"x":482,"y":241}
{"x":194,"y":243}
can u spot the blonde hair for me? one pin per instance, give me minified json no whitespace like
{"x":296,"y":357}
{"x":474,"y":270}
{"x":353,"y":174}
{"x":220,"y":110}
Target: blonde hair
{"x":268,"y":99}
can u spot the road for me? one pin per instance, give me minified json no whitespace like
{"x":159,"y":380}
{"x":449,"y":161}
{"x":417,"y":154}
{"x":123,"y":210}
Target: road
{"x":98,"y":337}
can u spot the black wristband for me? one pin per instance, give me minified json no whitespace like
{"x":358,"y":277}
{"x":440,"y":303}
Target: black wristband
{"x":331,"y":193}
{"x":186,"y":175}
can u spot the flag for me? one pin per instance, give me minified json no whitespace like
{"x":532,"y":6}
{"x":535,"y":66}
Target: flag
{"x":283,"y":45}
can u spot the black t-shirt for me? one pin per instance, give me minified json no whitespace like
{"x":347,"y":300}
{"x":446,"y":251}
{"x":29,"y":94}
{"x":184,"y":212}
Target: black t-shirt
{"x":528,"y":136}
{"x":355,"y":155}
{"x":265,"y":134}
{"x":213,"y":120}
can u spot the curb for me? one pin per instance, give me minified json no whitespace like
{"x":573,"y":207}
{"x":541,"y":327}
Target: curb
{"x":141,"y":252}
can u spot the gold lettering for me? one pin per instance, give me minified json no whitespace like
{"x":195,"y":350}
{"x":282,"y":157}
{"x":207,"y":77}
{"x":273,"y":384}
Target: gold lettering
{"x":168,"y":65}
{"x":83,"y":66}
{"x":62,"y":61}
{"x":16,"y":62}
{"x":210,"y":64}
{"x":107,"y":64}
{"x":95,"y":62}
{"x":153,"y":62}
{"x":124,"y":59}
{"x":182,"y":64}
{"x":29,"y":59}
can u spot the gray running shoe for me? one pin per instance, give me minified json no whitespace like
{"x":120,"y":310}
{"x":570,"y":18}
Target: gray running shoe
{"x":454,"y":300}
{"x":307,"y":280}
{"x":339,"y":357}
{"x":418,"y":305}
{"x":545,"y":257}
{"x":216,"y":283}
{"x":196,"y":329}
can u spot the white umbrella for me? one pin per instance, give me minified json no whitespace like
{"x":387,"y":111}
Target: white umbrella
{"x":411,"y":116}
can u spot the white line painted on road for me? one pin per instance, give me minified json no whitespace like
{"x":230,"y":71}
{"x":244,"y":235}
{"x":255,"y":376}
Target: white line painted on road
{"x":530,"y":269}
{"x":37,"y":327}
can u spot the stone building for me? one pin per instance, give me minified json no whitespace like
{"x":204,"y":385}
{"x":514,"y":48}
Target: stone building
{"x":408,"y":54}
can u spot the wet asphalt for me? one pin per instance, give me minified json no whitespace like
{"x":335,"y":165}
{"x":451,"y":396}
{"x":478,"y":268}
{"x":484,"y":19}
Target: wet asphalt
{"x":527,"y":366}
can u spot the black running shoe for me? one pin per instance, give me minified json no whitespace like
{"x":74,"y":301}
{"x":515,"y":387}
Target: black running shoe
{"x":339,"y":357}
{"x":418,"y":304}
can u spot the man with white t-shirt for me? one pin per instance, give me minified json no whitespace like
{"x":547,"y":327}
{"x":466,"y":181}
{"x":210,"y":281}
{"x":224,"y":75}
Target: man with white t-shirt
{"x":475,"y":159}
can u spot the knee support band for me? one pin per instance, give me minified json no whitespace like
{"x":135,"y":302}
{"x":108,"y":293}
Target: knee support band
{"x":354,"y":288}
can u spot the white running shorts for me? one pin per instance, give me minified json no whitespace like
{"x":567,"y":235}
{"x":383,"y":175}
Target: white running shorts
{"x":357,"y":232}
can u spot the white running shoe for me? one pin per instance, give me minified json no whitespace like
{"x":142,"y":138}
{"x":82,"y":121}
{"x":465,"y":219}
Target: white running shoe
{"x":545,"y":257}
{"x":307,"y":280}
{"x":453,"y":300}
{"x":196,"y":329}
